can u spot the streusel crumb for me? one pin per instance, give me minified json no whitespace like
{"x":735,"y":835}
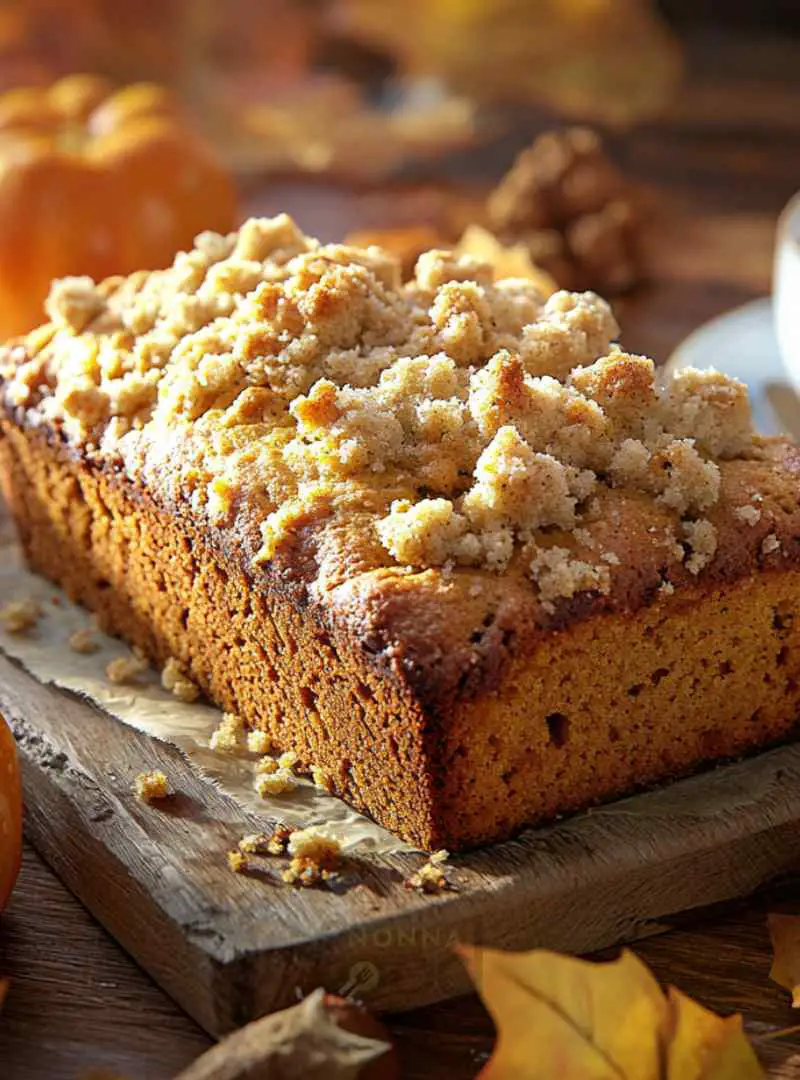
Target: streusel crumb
{"x":237,"y":861}
{"x":177,"y":683}
{"x":431,"y":877}
{"x":279,"y":782}
{"x":258,"y":742}
{"x":151,"y":786}
{"x":750,"y":515}
{"x":83,"y":641}
{"x":228,"y":734}
{"x":19,"y":616}
{"x":456,"y":417}
{"x":315,"y":857}
{"x":255,"y":844}
{"x":770,"y":544}
{"x":126,"y":669}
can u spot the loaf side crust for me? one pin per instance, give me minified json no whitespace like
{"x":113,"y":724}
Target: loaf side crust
{"x":452,"y":718}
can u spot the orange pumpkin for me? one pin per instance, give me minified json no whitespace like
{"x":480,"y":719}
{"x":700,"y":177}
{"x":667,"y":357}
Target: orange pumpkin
{"x":97,"y":182}
{"x":10,"y":813}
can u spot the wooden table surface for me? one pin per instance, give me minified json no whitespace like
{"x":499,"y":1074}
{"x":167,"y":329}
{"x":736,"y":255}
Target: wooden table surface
{"x":729,"y":157}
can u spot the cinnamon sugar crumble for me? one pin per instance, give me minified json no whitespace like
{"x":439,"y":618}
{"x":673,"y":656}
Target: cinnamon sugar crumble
{"x":460,"y":417}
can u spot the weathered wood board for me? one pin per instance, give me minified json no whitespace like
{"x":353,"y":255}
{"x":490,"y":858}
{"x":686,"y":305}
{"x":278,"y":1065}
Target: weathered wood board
{"x":229,"y":947}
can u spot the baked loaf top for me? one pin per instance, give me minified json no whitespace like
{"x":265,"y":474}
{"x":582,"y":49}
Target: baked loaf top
{"x":440,"y":460}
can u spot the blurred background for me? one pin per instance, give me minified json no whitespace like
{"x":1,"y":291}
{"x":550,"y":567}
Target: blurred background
{"x":358,"y":114}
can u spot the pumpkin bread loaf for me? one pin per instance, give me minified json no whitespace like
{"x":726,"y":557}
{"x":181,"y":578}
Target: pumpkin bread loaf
{"x":442,"y":539}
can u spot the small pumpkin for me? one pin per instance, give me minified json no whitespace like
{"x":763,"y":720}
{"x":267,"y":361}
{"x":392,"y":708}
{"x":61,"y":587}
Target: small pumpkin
{"x":10,"y":813}
{"x":99,"y":182}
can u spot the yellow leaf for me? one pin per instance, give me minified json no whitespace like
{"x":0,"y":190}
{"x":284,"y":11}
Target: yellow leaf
{"x":704,"y":1046}
{"x":560,"y":1018}
{"x":784,"y":930}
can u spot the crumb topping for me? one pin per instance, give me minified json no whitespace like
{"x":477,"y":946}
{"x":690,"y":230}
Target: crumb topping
{"x":461,"y":418}
{"x":315,"y":857}
{"x":431,"y":877}
{"x":151,"y":786}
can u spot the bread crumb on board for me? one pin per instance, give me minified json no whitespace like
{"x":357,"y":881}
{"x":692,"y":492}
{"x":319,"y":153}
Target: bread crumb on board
{"x":431,"y":877}
{"x":237,"y":861}
{"x":126,"y":669}
{"x":770,"y":544}
{"x":278,"y":782}
{"x":83,"y":641}
{"x":19,"y":616}
{"x":315,"y":857}
{"x":177,"y":682}
{"x":151,"y":786}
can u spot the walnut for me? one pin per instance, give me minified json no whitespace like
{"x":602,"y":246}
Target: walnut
{"x":574,"y":210}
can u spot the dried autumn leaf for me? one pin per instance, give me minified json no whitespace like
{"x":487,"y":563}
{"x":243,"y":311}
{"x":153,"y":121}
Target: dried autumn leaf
{"x":558,"y":1016}
{"x":704,"y":1046}
{"x":507,"y":260}
{"x":322,"y":1038}
{"x":784,"y":930}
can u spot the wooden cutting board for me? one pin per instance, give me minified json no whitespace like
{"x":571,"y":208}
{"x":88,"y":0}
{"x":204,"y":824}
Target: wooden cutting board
{"x":229,"y":947}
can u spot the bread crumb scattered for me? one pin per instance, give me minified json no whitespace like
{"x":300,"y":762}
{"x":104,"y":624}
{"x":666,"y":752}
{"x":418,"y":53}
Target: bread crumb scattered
{"x":666,"y":588}
{"x":228,"y":734}
{"x":19,"y":616}
{"x":83,"y":641}
{"x":267,"y":764}
{"x":151,"y":786}
{"x":750,"y":515}
{"x":237,"y":862}
{"x":126,"y":669}
{"x":431,"y":876}
{"x":315,"y":857}
{"x":254,"y":844}
{"x":178,"y":684}
{"x":770,"y":544}
{"x":258,"y":742}
{"x":279,"y":782}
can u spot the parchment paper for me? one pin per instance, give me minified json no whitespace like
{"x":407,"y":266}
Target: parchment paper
{"x":44,"y":651}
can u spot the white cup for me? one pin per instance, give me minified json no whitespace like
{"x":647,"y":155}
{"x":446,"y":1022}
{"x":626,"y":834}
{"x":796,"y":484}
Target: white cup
{"x":786,"y":290}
